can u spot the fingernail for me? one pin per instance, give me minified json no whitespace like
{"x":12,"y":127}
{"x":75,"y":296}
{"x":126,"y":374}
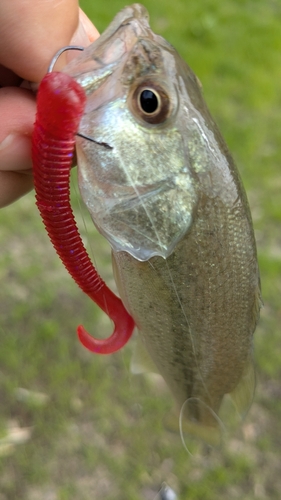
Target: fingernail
{"x":7,"y":141}
{"x":15,"y":152}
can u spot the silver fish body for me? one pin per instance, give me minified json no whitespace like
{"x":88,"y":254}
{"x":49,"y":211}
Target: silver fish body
{"x":163,"y":189}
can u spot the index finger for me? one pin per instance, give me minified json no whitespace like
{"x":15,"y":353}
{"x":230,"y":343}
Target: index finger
{"x":32,"y":32}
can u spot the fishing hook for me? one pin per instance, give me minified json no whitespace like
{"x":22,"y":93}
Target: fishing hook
{"x":60,"y":106}
{"x":61,"y":51}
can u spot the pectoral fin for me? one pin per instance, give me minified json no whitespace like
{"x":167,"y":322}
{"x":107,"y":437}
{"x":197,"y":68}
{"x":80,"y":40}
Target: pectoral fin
{"x":141,"y":361}
{"x":243,"y":394}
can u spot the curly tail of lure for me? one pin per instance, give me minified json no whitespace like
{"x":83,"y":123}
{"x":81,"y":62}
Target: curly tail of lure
{"x":60,"y":106}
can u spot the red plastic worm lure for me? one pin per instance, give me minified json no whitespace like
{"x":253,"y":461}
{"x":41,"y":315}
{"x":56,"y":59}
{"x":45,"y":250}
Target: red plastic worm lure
{"x":60,"y":105}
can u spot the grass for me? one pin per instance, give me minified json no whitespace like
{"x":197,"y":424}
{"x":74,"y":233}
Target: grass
{"x":99,"y":432}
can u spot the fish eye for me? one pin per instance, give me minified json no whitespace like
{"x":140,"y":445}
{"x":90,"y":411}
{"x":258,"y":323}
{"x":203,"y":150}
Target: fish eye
{"x":151,"y":103}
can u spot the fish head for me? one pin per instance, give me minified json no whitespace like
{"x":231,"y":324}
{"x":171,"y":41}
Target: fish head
{"x":133,"y":170}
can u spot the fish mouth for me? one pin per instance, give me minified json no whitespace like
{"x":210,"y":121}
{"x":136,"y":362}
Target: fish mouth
{"x":99,"y":60}
{"x":92,"y":67}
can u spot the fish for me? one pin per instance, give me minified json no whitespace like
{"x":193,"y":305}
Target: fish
{"x":162,"y":188}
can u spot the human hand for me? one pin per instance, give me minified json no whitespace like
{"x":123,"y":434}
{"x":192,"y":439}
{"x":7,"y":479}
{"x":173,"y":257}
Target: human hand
{"x":31,"y":34}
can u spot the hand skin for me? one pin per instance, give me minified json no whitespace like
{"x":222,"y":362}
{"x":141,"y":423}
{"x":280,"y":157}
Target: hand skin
{"x":31,"y":33}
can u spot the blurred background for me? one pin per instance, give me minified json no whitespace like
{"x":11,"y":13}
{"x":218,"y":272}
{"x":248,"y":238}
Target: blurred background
{"x":79,"y":426}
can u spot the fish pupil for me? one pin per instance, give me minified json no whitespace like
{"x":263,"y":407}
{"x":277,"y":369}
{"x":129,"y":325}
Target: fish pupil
{"x":148,"y":101}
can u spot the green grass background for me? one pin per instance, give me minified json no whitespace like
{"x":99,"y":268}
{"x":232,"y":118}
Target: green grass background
{"x":100,"y":433}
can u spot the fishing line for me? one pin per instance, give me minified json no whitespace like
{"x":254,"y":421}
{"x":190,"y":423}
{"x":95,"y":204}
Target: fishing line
{"x":170,"y":275}
{"x":142,"y":204}
{"x":90,"y":242}
{"x":81,"y":209}
{"x":221,"y":428}
{"x":189,"y":327}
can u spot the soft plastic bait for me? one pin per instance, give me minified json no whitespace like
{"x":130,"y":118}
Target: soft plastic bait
{"x":60,"y":106}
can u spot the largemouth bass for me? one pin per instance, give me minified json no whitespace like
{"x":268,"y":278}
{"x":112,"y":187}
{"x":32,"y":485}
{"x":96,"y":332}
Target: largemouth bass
{"x":161,"y":186}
